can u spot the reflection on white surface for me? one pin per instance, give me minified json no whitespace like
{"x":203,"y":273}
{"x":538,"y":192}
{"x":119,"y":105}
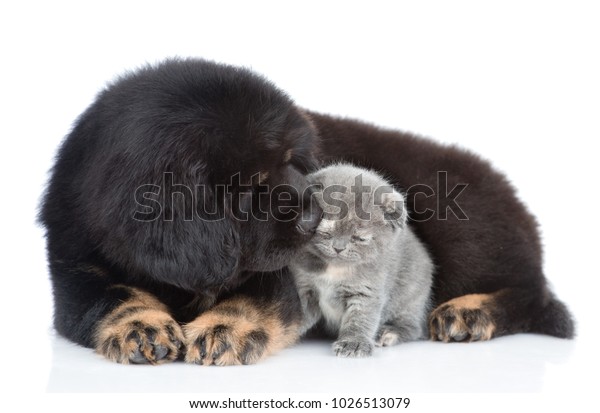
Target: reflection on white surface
{"x":522,"y":363}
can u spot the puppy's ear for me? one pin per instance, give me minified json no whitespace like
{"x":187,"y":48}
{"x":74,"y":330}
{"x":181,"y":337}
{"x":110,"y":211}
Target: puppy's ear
{"x":193,"y":246}
{"x":219,"y":244}
{"x":217,"y":235}
{"x":393,"y":205}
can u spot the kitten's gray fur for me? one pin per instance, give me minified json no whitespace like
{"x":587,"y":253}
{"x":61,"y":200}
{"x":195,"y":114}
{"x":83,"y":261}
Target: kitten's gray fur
{"x":376,"y":289}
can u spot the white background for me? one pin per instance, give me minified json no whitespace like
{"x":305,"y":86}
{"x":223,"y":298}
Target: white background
{"x":517,"y":82}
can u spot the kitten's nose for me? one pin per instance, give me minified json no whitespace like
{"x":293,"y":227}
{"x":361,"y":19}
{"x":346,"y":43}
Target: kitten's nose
{"x":339,"y":244}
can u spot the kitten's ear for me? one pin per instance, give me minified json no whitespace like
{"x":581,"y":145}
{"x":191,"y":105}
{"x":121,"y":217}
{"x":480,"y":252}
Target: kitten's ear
{"x":393,"y":205}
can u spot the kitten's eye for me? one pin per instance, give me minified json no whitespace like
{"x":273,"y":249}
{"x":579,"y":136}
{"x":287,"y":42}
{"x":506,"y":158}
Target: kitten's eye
{"x":356,"y":238}
{"x":325,"y":235}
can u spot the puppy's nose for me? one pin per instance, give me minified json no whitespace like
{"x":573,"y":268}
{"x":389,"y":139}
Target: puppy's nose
{"x":338,"y":250}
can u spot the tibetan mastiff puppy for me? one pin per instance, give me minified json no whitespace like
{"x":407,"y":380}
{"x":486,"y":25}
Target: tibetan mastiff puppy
{"x":180,"y":195}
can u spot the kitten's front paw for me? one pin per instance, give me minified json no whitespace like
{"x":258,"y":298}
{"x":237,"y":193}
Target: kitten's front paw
{"x":392,"y":334}
{"x":353,"y":348}
{"x":387,"y":337}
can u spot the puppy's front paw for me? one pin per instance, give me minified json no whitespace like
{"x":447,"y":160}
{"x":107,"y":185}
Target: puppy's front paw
{"x":224,"y":343}
{"x":146,"y":336}
{"x":353,"y":348}
{"x":237,"y":331}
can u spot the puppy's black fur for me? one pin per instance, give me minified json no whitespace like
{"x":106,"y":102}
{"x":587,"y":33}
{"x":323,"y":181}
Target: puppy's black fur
{"x":204,"y":123}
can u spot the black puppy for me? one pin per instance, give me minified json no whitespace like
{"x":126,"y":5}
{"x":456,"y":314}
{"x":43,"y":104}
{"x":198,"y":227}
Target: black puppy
{"x":180,"y":196}
{"x":154,"y":211}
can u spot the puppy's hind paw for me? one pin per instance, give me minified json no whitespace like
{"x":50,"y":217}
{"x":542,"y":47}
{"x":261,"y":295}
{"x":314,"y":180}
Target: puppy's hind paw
{"x":465,"y":319}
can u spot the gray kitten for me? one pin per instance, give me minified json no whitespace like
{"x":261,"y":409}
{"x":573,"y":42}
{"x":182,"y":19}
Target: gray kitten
{"x":365,"y":273}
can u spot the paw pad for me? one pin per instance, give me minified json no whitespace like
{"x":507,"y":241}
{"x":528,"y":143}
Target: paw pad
{"x":146,"y":337}
{"x":462,"y":319}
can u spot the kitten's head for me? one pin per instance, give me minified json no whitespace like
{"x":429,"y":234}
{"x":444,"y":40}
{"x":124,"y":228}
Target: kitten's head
{"x":362,"y":214}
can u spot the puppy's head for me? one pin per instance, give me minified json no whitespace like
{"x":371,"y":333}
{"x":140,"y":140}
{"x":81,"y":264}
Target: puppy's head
{"x":273,"y":205}
{"x":215,"y":158}
{"x":259,"y":146}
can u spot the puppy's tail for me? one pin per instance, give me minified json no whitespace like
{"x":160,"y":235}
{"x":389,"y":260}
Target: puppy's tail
{"x":554,"y":319}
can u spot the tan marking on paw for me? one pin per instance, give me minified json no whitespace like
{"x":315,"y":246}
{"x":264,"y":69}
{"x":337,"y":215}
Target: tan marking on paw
{"x":236,"y":331}
{"x":140,"y":330}
{"x":466,"y":318}
{"x":470,"y":301}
